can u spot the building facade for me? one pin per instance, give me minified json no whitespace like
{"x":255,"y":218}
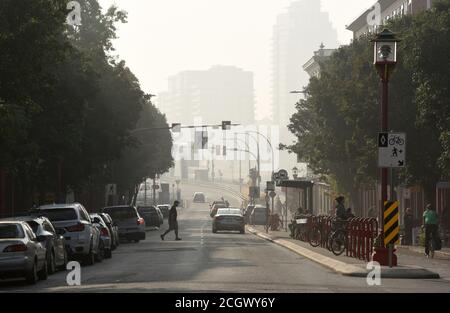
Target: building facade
{"x":312,"y":67}
{"x":369,"y":22}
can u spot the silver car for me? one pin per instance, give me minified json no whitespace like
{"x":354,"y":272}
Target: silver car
{"x":54,"y":243}
{"x":131,"y":224}
{"x":21,"y":252}
{"x":82,"y":238}
{"x":106,"y":238}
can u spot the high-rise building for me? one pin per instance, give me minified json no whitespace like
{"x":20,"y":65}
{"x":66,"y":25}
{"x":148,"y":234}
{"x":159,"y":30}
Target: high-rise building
{"x":218,"y":94}
{"x":369,"y":22}
{"x":297,"y":32}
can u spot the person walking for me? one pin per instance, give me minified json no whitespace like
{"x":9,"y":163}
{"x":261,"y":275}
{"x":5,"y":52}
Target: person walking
{"x":173,"y":223}
{"x":430,"y":223}
{"x":408,"y":221}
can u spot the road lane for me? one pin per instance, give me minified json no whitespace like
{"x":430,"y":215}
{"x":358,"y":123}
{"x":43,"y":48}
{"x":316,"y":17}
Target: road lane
{"x":206,"y":262}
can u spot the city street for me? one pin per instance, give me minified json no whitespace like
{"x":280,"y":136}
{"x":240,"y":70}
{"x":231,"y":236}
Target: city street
{"x":206,"y":262}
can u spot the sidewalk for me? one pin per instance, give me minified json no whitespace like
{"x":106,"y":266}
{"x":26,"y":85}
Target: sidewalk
{"x":443,"y":254}
{"x":413,"y":269}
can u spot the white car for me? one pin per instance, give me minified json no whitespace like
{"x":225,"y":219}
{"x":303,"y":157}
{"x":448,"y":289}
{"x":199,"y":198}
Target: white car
{"x":82,"y":237}
{"x":21,"y":252}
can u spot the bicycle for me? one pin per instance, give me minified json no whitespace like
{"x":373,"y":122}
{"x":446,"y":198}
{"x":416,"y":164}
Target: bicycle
{"x":338,"y":239}
{"x":315,"y":236}
{"x":396,"y":141}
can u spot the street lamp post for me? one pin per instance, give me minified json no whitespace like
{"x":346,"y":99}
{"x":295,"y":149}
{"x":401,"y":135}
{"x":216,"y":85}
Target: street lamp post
{"x":385,"y":60}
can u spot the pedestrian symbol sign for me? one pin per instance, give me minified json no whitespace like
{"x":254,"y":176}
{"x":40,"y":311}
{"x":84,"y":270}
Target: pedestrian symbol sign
{"x":391,"y":150}
{"x":391,"y":223}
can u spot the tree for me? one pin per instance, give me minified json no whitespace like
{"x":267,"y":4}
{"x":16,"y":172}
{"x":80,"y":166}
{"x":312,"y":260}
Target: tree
{"x":336,"y":125}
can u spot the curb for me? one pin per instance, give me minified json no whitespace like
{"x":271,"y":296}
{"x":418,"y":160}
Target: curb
{"x":401,"y":272}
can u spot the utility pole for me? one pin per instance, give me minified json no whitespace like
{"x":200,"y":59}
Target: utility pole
{"x":154,"y":190}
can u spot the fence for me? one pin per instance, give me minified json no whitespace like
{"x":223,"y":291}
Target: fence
{"x":361,"y":233}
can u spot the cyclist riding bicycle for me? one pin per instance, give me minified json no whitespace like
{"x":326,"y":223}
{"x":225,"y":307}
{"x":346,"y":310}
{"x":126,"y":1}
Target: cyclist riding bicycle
{"x":430,"y":223}
{"x":340,"y":208}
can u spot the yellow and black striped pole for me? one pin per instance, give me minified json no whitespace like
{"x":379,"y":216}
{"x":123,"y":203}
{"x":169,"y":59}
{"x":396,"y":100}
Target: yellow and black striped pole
{"x":391,"y":223}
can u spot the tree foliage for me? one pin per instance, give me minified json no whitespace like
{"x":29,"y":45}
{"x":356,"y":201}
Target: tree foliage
{"x":68,"y":106}
{"x":337,"y":124}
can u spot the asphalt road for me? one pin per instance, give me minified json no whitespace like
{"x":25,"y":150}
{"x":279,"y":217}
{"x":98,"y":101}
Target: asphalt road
{"x":206,"y":262}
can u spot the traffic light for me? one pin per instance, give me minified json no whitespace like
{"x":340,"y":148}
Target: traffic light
{"x":176,"y":127}
{"x":226,"y":125}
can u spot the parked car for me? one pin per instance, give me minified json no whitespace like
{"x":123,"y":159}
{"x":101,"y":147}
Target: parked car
{"x":164,"y":208}
{"x":247,"y":212}
{"x":54,"y":243}
{"x":152,"y":216}
{"x":228,"y":219}
{"x":113,"y":229}
{"x":199,"y":197}
{"x":259,"y":215}
{"x":131,"y":225}
{"x":216,"y":206}
{"x":105,"y":236}
{"x":22,"y":254}
{"x":82,"y":238}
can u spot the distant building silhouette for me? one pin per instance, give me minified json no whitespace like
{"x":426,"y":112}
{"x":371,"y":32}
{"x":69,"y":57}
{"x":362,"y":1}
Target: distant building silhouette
{"x":296,"y":33}
{"x":220,"y":93}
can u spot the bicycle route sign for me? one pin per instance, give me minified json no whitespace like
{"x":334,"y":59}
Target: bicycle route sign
{"x":392,"y":150}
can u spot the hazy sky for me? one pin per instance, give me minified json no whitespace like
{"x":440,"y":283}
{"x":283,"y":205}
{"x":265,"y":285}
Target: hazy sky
{"x":164,"y":37}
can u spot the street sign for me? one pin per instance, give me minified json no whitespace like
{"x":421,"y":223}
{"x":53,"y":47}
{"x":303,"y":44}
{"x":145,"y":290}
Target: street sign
{"x":270,"y":186}
{"x":392,"y":150}
{"x":283,"y":175}
{"x":280,"y":176}
{"x":272,"y":194}
{"x":226,"y":125}
{"x":391,"y":223}
{"x":275,"y":176}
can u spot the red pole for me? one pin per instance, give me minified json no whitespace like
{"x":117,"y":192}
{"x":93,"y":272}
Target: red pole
{"x":384,"y":128}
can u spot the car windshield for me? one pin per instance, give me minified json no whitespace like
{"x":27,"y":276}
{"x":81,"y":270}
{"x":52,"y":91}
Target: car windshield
{"x":121,"y":212}
{"x":163,"y":207}
{"x":34,"y":226}
{"x":147,"y":210}
{"x":63,"y":214}
{"x":10,"y":231}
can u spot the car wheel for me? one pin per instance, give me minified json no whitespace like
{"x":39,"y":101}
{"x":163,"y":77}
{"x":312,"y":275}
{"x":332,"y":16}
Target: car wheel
{"x":51,"y":263}
{"x":43,"y":274}
{"x":108,"y":254}
{"x":101,"y":252}
{"x":32,"y":277}
{"x":90,"y":258}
